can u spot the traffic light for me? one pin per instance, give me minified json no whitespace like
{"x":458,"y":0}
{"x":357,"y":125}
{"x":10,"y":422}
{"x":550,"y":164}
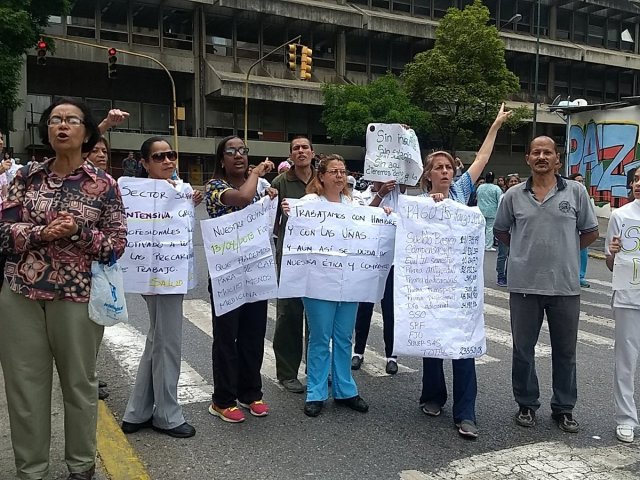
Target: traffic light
{"x":112,"y":67}
{"x":305,"y":63}
{"x":42,"y":52}
{"x":291,"y":57}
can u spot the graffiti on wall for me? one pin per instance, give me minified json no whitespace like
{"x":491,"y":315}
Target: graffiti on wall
{"x":603,"y":147}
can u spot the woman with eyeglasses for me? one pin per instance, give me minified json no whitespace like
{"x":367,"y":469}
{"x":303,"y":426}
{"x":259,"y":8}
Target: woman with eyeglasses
{"x":60,"y":216}
{"x":154,"y":400}
{"x":330,"y":323}
{"x":238,"y":335}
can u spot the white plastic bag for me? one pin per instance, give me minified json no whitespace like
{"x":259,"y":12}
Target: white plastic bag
{"x":107,"y":305}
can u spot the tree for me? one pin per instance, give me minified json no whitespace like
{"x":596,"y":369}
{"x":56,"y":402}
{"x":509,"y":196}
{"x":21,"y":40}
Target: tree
{"x":21,"y":25}
{"x":349,"y":108}
{"x":463,"y":79}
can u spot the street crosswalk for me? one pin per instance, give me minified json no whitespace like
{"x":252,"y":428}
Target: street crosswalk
{"x":126,"y":343}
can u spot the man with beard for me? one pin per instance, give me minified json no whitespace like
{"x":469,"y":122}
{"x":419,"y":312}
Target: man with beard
{"x":287,"y":338}
{"x":545,"y":222}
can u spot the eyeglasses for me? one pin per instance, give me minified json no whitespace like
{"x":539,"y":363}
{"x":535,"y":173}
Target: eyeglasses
{"x":159,"y":157}
{"x":336,"y":172}
{"x":71,"y":120}
{"x":232,"y":151}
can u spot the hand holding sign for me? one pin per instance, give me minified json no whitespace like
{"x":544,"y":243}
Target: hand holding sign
{"x":626,"y":248}
{"x":393,"y":153}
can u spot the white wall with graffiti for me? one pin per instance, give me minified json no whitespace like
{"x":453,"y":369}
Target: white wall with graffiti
{"x":603,"y":147}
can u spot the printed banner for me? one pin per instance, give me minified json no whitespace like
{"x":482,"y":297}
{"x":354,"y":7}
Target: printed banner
{"x":626,"y":268}
{"x":336,"y":252}
{"x":438,"y":283}
{"x":239,"y":256}
{"x":393,"y":153}
{"x":159,"y":255}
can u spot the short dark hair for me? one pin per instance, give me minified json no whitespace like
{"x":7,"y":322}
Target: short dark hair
{"x":218,"y":171}
{"x":298,"y":137}
{"x":573,"y":176}
{"x":90,"y":124}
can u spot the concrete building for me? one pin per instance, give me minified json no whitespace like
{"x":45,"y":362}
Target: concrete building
{"x":588,"y":49}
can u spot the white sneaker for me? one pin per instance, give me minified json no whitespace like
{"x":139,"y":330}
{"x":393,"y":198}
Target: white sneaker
{"x":624,"y":433}
{"x":490,"y":249}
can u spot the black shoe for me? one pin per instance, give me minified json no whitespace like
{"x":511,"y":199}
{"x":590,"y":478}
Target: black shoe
{"x":292,"y":385}
{"x":313,"y":409}
{"x":526,"y":417}
{"x":354,"y":403}
{"x":128,"y":427}
{"x":392,"y":367}
{"x":356,"y":362}
{"x":102,"y":393}
{"x":102,"y":384}
{"x":566,"y":423}
{"x":182,"y":431}
{"x":88,"y":475}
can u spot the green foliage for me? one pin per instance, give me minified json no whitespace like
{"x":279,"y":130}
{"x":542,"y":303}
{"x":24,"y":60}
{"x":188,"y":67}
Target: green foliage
{"x":463,"y":79}
{"x":21,"y":24}
{"x":349,"y":108}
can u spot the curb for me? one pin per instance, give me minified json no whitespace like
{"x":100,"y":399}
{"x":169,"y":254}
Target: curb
{"x":598,"y":255}
{"x":118,"y":457}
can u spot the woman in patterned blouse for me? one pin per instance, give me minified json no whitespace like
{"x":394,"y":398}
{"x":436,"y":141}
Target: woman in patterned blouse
{"x":238,"y":336}
{"x":60,"y":215}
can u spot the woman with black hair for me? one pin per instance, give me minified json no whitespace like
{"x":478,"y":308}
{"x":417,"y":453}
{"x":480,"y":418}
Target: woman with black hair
{"x":59,"y":217}
{"x":154,"y":399}
{"x":238,"y":336}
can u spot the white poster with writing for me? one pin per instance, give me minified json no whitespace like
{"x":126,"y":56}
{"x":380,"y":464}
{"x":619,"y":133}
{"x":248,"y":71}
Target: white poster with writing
{"x":438,"y":282}
{"x":158,"y":258}
{"x":239,"y":255}
{"x":626,"y":267}
{"x":336,"y":252}
{"x":393,"y":153}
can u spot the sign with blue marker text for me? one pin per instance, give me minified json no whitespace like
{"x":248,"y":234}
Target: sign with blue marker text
{"x":239,"y":255}
{"x":336,"y":252}
{"x":393,"y":153}
{"x":438,"y":283}
{"x":158,"y":258}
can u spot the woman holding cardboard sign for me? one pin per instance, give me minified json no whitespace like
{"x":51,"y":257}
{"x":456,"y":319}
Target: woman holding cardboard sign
{"x":437,"y":181}
{"x":154,"y":400}
{"x":238,"y":335}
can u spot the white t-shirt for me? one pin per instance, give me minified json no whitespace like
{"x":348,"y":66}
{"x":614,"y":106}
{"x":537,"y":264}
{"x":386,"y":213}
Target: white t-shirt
{"x":263,"y":184}
{"x":344,"y":199}
{"x":363,"y":198}
{"x":623,"y":298}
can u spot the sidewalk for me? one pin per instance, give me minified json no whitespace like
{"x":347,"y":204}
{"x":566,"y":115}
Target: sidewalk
{"x":58,"y":469}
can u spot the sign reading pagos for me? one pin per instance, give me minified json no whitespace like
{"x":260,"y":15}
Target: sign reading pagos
{"x":438,"y":283}
{"x":393,"y":153}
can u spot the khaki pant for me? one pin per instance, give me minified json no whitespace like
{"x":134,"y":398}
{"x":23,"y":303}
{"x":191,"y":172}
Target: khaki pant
{"x":32,"y":335}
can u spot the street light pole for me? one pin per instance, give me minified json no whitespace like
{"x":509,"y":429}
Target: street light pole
{"x":514,"y":19}
{"x":148,"y":57}
{"x":535,"y":83}
{"x":246,"y":82}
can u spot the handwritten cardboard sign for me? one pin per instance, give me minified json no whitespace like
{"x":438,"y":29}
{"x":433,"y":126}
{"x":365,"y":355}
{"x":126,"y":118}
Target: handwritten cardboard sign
{"x":158,"y":258}
{"x":626,"y":267}
{"x":438,"y":283}
{"x":239,"y":255}
{"x":336,"y":252}
{"x":393,"y":153}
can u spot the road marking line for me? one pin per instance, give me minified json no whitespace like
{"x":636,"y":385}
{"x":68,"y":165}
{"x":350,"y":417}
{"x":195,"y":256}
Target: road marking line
{"x":126,"y":344}
{"x":504,"y":338}
{"x":599,"y":282}
{"x":118,"y":457}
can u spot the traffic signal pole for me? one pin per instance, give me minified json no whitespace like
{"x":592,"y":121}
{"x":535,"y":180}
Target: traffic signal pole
{"x":148,"y":57}
{"x":246,"y":82}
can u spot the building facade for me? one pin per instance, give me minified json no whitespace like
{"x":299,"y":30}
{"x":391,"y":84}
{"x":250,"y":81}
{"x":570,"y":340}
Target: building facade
{"x":588,"y":49}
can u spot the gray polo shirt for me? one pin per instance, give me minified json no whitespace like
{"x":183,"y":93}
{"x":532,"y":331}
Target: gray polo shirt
{"x":545,"y":237}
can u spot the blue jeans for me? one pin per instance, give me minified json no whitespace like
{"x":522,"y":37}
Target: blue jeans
{"x":501,"y":261}
{"x":465,"y":386}
{"x":584,"y":258}
{"x":330,"y":322}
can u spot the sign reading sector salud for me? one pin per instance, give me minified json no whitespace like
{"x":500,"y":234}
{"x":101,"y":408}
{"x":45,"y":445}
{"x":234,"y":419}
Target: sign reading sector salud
{"x":626,"y":267}
{"x":158,"y":258}
{"x":438,"y":283}
{"x":393,"y":153}
{"x":239,"y":255}
{"x":336,"y":252}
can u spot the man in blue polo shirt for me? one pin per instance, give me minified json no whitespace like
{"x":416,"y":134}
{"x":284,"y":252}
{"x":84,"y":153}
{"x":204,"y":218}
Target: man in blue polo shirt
{"x":545,"y":222}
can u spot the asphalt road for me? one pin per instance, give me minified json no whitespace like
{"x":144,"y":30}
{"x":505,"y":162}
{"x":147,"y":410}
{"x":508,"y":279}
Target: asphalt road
{"x":394,"y":440}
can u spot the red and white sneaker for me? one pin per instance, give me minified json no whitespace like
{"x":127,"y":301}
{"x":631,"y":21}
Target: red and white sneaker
{"x":257,"y":408}
{"x":231,"y":414}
